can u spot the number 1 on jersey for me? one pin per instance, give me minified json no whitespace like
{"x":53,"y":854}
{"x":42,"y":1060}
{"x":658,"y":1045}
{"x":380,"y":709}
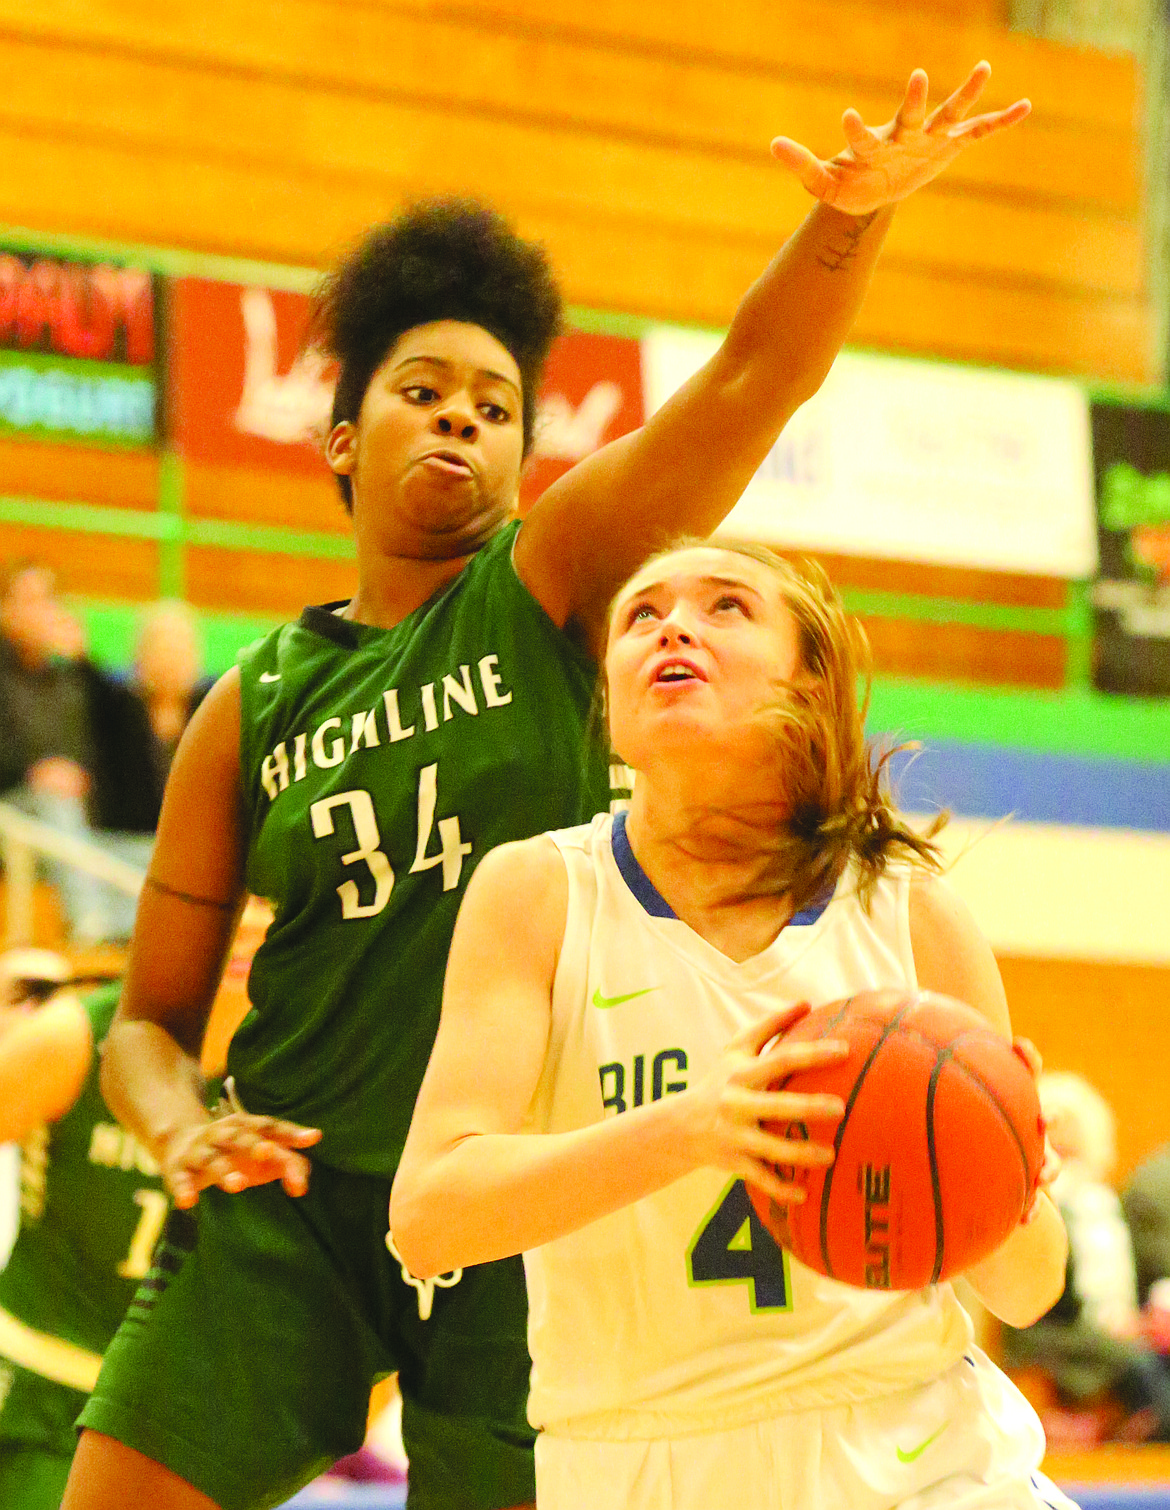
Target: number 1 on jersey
{"x":734,"y":1247}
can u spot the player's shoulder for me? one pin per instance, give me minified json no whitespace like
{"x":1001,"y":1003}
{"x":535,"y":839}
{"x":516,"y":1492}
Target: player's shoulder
{"x":521,"y":867}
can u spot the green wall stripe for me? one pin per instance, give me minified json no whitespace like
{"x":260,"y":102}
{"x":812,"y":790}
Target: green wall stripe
{"x":172,"y":526}
{"x":997,"y":616}
{"x":173,"y":263}
{"x":1074,"y":722}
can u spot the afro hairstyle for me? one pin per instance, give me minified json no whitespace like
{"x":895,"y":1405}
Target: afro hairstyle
{"x":441,"y":259}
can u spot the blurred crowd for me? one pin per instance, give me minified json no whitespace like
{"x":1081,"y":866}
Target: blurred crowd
{"x":86,"y":750}
{"x":1104,"y":1348}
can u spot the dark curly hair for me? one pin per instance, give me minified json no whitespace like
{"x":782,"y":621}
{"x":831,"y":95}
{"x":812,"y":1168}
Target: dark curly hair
{"x":441,"y":259}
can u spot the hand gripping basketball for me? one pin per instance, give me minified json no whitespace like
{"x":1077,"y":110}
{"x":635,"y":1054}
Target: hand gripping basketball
{"x":739,"y":1115}
{"x":939,"y":1152}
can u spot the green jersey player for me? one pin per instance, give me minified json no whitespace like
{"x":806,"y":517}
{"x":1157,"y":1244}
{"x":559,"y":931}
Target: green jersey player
{"x":355,"y":768}
{"x":92,"y":1206}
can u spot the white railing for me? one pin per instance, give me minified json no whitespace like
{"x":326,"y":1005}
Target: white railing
{"x":23,"y":840}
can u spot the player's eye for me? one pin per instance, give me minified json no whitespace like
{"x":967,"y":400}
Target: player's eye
{"x":420,"y":393}
{"x":640,"y":611}
{"x":496,"y":413}
{"x":728,"y":602}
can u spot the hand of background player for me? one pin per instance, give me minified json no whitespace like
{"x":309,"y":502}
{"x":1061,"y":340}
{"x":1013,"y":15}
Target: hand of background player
{"x":1030,"y":1054}
{"x":234,"y":1152}
{"x":883,"y":164}
{"x":732,"y":1102}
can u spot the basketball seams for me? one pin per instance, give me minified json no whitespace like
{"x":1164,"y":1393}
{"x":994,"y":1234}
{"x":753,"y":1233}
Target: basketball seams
{"x":973,"y":1074}
{"x":943,"y":1057}
{"x":827,"y":1184}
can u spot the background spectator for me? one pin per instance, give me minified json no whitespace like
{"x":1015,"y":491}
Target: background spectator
{"x":1146,"y":1201}
{"x":46,"y":744}
{"x":1091,"y":1341}
{"x":137,"y":720}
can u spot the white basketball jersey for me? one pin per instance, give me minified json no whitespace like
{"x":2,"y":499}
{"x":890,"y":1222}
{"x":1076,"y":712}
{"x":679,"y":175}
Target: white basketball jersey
{"x":679,"y":1313}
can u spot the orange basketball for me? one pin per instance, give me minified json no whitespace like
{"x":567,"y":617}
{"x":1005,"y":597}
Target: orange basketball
{"x":937,"y":1155}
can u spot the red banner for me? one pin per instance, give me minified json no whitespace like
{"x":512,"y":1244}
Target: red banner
{"x":592,"y":394}
{"x":243,"y":391}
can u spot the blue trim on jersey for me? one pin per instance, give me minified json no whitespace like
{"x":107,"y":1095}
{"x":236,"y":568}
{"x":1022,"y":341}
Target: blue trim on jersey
{"x":634,"y":876}
{"x":656,"y":904}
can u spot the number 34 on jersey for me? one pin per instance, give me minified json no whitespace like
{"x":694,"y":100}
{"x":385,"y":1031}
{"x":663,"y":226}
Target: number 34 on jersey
{"x":374,"y":878}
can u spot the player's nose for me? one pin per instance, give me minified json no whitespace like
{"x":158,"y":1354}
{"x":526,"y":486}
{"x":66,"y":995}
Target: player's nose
{"x":457,"y":417}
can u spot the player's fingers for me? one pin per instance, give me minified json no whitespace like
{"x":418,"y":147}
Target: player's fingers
{"x":291,"y":1134}
{"x":912,"y":111}
{"x":983,"y":125}
{"x":784,"y":1058}
{"x":1030,"y":1054}
{"x":761,"y":1174}
{"x":862,"y":142}
{"x":782,"y":1108}
{"x":753,"y":1038}
{"x":761,"y":1144}
{"x":955,"y":107}
{"x":812,"y":173}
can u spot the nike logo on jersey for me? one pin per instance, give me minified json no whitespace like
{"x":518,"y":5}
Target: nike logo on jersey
{"x":909,"y":1457}
{"x":603,"y":1003}
{"x":270,"y":676}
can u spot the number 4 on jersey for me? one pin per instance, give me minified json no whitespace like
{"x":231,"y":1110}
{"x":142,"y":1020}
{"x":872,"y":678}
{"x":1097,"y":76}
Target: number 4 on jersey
{"x":734,"y":1247}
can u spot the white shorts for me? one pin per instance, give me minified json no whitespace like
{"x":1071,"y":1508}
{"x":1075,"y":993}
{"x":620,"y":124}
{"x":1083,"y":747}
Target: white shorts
{"x":966,"y":1441}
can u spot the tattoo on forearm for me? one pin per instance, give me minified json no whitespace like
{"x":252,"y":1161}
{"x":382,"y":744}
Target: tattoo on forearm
{"x":837,"y":259}
{"x":186,"y":896}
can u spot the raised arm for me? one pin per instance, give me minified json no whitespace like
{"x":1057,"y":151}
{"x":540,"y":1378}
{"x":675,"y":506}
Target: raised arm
{"x":471,"y":1185}
{"x":187,"y":915}
{"x":1023,"y":1278}
{"x":683,"y":471}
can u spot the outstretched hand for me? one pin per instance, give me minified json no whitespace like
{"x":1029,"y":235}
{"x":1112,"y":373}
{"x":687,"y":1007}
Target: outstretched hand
{"x":883,"y":164}
{"x":234,"y":1152}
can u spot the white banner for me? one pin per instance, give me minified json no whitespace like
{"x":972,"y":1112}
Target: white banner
{"x":916,"y":461}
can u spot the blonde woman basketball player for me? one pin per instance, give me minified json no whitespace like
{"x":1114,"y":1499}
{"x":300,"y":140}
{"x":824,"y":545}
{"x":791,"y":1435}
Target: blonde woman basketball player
{"x":614,"y":989}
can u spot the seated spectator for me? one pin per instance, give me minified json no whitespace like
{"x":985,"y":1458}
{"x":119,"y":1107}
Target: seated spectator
{"x":85,"y":750}
{"x":1146,"y":1201}
{"x":1091,"y":1340}
{"x":137,"y":721}
{"x":46,"y":746}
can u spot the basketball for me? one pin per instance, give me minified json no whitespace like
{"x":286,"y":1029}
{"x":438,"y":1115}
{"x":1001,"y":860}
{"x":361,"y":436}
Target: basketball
{"x":937,"y":1155}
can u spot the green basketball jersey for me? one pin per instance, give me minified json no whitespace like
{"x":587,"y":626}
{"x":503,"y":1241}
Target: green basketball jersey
{"x":92,"y":1206}
{"x":378,"y":767}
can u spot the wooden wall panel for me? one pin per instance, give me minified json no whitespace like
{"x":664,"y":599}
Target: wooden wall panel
{"x":841,"y":41}
{"x":570,"y":84}
{"x":114,"y":190}
{"x":632,"y":138}
{"x":256,"y":582}
{"x":1108,"y":1022}
{"x":270,"y":497}
{"x":319,"y":133}
{"x":1014,"y":589}
{"x":92,"y":566}
{"x":117,"y":479}
{"x":963,"y":653}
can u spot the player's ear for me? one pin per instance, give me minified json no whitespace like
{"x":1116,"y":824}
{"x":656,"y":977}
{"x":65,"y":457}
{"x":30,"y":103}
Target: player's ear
{"x":341,"y":447}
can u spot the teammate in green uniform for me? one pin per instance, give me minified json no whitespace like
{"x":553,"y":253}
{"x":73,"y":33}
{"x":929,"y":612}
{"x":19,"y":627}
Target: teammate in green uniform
{"x":355,"y":768}
{"x":92,"y":1207}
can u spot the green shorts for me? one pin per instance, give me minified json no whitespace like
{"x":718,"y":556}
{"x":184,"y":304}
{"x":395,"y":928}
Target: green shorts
{"x":37,"y":1438}
{"x":246,"y":1358}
